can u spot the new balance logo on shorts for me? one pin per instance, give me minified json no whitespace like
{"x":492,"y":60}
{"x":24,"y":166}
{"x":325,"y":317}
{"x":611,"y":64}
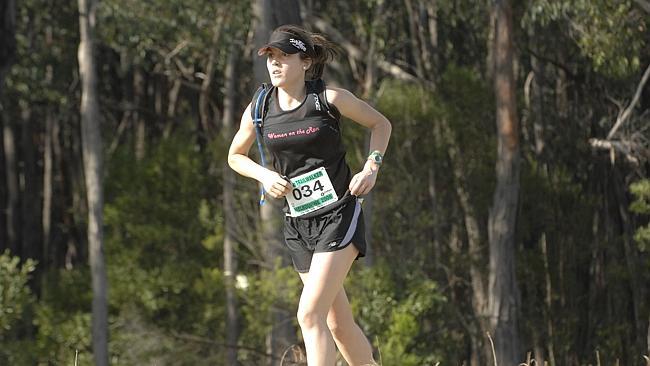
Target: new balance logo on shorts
{"x":333,"y":244}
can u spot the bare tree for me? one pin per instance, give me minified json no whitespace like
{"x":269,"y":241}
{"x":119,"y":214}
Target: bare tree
{"x":229,"y":242}
{"x":92,"y":157}
{"x":502,"y":287}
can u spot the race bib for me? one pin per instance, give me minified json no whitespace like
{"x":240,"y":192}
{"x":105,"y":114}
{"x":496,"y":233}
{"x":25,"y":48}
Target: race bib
{"x":311,"y":191}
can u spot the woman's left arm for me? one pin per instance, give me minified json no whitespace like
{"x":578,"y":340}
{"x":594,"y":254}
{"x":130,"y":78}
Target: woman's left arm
{"x":359,"y":111}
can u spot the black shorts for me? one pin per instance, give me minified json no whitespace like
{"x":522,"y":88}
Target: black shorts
{"x":328,"y":232}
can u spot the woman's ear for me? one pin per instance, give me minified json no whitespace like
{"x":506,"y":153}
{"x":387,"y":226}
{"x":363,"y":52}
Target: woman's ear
{"x":306,"y":64}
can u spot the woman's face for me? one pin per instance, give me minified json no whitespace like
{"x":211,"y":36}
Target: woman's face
{"x":285,"y":69}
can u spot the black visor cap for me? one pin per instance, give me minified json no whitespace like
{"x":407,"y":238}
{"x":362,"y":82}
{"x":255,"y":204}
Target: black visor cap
{"x":287,"y":42}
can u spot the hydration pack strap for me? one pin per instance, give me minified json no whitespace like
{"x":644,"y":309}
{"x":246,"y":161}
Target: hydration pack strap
{"x":259,"y":103}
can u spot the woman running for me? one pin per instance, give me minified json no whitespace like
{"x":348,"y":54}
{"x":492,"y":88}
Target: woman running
{"x":323,"y":227}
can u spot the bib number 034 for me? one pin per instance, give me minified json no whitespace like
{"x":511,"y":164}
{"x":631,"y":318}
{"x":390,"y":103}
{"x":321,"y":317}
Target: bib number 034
{"x":311,"y":191}
{"x":307,"y":190}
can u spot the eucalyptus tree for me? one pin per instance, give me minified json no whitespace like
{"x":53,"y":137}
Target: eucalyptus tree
{"x":503,"y":296}
{"x":93,"y":169}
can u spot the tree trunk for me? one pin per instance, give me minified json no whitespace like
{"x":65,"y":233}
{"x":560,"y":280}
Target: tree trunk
{"x":31,"y":212}
{"x":502,"y":288}
{"x":537,"y":106}
{"x":490,"y":57}
{"x":632,"y":256}
{"x":430,"y":9}
{"x":436,"y":238}
{"x":68,"y":156}
{"x":548,"y":301}
{"x":205,"y":95}
{"x":58,"y":198}
{"x":230,"y":245}
{"x":92,"y":158}
{"x":172,"y":102}
{"x":479,"y":300}
{"x":46,"y":212}
{"x":3,"y":194}
{"x":139,"y":123}
{"x":48,"y":186}
{"x":13,"y":193}
{"x":416,"y":50}
{"x":9,"y":230}
{"x":270,"y":14}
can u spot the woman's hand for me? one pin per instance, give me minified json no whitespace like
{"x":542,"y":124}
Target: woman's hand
{"x":275,"y":185}
{"x":363,"y":182}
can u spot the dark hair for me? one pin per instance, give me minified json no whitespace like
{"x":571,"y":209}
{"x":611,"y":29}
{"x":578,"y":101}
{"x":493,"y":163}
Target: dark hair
{"x":324,"y":50}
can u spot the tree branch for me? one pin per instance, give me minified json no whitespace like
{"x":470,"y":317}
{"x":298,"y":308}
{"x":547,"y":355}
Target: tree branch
{"x":621,"y":147}
{"x":358,"y":54}
{"x":627,"y":112}
{"x":551,"y":61}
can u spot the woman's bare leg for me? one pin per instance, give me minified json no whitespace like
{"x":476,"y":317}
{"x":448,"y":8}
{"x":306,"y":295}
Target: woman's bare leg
{"x":326,"y":275}
{"x":349,"y":338}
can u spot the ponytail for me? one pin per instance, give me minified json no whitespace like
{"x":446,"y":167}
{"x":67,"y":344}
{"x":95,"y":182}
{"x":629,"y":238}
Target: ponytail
{"x":325,"y":51}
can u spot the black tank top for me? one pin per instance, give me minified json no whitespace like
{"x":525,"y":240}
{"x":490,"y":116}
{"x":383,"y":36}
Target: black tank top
{"x":308,"y":137}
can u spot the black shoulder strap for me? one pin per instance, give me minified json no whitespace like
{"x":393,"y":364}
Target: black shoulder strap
{"x":259,"y":104}
{"x":318,"y":86}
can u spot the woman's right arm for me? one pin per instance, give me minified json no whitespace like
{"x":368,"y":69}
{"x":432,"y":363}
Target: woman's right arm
{"x":239,"y":161}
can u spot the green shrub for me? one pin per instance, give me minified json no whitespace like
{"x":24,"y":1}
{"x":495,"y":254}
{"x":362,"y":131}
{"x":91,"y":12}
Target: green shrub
{"x":16,"y":303}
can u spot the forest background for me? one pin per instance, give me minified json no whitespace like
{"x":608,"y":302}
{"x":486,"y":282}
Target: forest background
{"x":513,"y":201}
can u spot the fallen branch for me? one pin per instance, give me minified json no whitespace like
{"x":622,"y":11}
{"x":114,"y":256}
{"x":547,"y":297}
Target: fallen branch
{"x":623,"y":148}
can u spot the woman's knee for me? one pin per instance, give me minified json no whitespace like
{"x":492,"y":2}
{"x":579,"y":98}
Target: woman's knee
{"x":308,"y":317}
{"x":340,"y":329}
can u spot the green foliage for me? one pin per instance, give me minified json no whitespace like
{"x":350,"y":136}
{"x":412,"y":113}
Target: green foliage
{"x":177,"y":31}
{"x":412,"y":112}
{"x":610,"y":33}
{"x":161,"y":254}
{"x":393,"y":310}
{"x":15,"y":295}
{"x":468,"y":107}
{"x":418,"y":156}
{"x":63,"y":332}
{"x":128,"y":26}
{"x":260,"y":293}
{"x":45,"y":54}
{"x":149,"y":201}
{"x":641,"y":206}
{"x":63,"y":316}
{"x":16,"y":302}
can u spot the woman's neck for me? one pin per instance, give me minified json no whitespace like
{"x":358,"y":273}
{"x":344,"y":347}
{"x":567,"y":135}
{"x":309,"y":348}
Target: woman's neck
{"x":290,"y":96}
